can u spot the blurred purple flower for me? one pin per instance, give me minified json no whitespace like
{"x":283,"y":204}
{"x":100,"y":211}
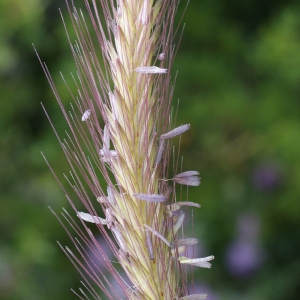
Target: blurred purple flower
{"x":266,"y":177}
{"x":94,"y":257}
{"x":244,"y":257}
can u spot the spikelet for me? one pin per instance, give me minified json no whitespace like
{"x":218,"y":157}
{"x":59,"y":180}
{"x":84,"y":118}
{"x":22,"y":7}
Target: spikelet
{"x":132,"y":96}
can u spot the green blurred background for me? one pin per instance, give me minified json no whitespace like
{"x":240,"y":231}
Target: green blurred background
{"x":239,"y":85}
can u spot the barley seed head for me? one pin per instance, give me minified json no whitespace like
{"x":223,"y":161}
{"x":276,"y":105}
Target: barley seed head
{"x":125,"y":131}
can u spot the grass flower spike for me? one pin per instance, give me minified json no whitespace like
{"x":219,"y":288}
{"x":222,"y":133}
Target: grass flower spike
{"x":124,"y":130}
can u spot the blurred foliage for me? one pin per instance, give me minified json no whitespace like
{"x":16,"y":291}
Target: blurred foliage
{"x":239,"y":85}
